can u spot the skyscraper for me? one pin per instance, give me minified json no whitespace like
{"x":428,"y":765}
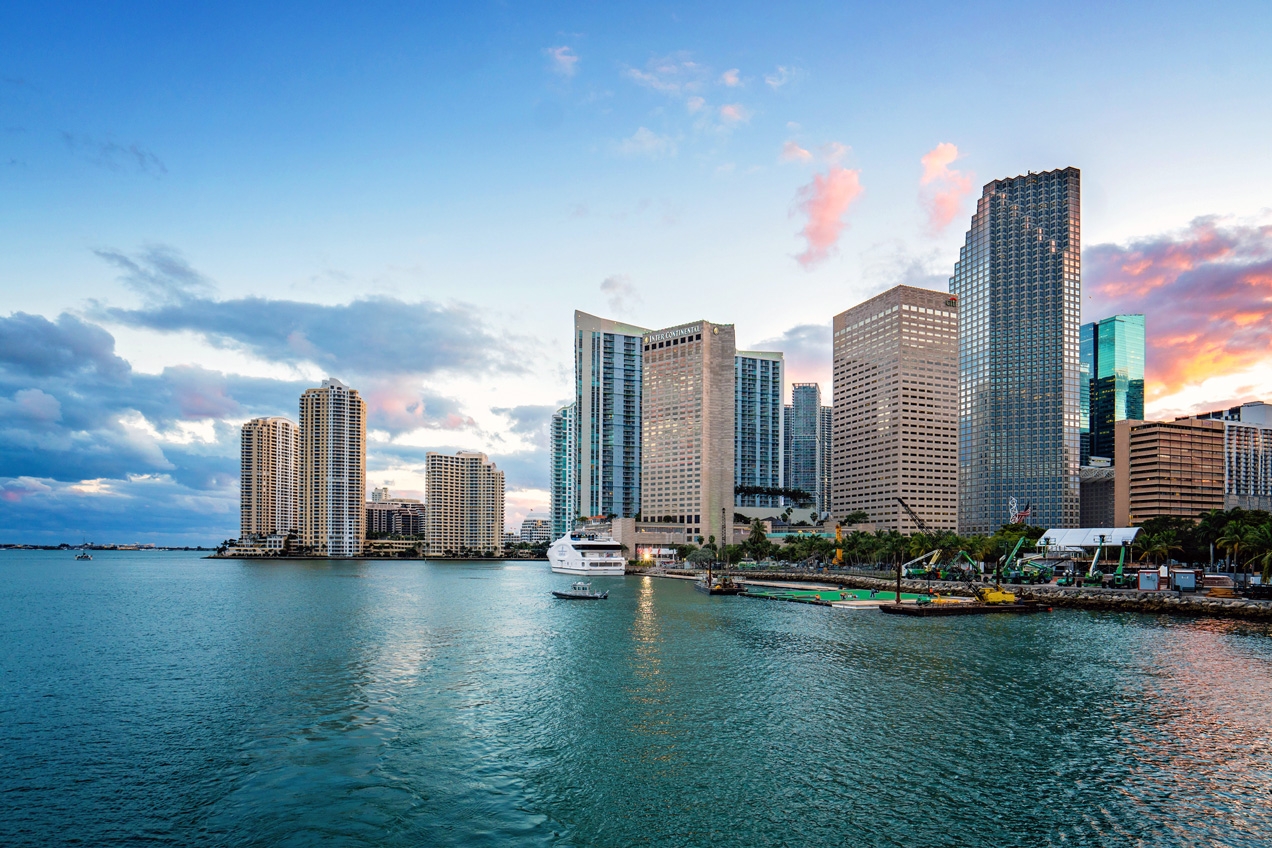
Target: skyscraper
{"x":757,"y":440}
{"x":687,"y":437}
{"x":465,"y":512}
{"x":269,"y":501}
{"x":563,"y":454}
{"x":896,"y":409}
{"x":333,"y":470}
{"x":607,"y":408}
{"x":825,"y":492}
{"x":806,"y":444}
{"x":1018,"y":284}
{"x":1112,"y":360}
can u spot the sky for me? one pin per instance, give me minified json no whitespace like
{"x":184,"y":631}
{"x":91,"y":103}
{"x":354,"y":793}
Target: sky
{"x":207,"y":208}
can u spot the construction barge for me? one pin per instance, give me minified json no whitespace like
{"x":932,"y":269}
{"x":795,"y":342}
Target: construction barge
{"x":933,"y":609}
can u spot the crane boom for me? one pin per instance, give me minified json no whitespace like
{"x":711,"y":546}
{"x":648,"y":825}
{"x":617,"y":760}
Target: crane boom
{"x":914,"y":516}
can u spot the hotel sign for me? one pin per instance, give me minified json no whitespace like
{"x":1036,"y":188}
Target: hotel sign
{"x":672,"y":334}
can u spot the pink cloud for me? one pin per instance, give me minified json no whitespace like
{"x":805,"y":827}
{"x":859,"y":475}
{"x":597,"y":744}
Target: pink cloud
{"x":731,"y":78}
{"x":733,"y":113}
{"x":694,"y":104}
{"x":945,"y":187}
{"x":825,"y":200}
{"x":1206,"y":296}
{"x":563,"y":60}
{"x":792,"y":152}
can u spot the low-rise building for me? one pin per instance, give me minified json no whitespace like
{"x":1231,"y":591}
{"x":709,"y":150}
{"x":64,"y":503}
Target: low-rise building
{"x":536,"y":527}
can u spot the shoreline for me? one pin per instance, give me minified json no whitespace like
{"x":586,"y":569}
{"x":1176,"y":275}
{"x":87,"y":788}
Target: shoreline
{"x":1187,"y":605}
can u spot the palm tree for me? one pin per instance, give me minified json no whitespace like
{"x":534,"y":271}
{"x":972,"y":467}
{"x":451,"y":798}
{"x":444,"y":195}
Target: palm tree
{"x":1232,"y":540}
{"x":1259,"y":541}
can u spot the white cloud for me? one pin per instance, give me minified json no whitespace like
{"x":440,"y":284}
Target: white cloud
{"x":563,"y":60}
{"x":646,"y":142}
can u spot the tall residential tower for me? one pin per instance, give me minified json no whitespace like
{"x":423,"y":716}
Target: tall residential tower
{"x":757,"y":438}
{"x":1018,"y":284}
{"x":269,"y":501}
{"x":807,"y":448}
{"x":333,"y":470}
{"x":563,"y":454}
{"x":607,"y":410}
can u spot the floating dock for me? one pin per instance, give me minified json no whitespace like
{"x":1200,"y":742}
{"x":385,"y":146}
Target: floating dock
{"x":933,"y":610}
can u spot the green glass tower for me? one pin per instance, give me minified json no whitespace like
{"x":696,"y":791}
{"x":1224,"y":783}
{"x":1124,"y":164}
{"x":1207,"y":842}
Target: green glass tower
{"x":1113,"y":365}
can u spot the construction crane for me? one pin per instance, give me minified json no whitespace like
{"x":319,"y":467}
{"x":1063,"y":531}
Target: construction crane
{"x":914,"y":516}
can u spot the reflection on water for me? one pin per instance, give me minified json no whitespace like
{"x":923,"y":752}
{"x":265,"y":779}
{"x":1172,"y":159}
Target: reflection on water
{"x":182,"y":701}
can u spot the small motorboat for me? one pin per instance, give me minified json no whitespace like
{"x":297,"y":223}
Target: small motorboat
{"x":582,"y":592}
{"x":721,"y":584}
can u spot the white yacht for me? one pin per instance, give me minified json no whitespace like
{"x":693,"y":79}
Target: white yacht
{"x":587,"y":552}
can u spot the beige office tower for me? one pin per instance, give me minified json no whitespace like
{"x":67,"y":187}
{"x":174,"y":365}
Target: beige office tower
{"x":333,"y":470}
{"x":269,"y":500}
{"x":895,"y":413}
{"x":687,"y":425}
{"x":465,"y":514}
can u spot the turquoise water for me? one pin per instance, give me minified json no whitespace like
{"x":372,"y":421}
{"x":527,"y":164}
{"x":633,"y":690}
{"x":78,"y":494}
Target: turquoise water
{"x":163,"y":698}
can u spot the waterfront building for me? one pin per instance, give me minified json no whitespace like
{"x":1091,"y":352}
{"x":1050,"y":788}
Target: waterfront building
{"x":1112,"y":387}
{"x":1167,"y":468}
{"x":1247,"y":455}
{"x":687,"y":434}
{"x":395,"y":516}
{"x":562,"y":456}
{"x":269,"y":502}
{"x":1018,"y":285}
{"x":537,"y":527}
{"x":607,"y":407}
{"x":379,"y":495}
{"x":895,"y":409}
{"x":758,"y":425}
{"x":465,"y":504}
{"x":807,"y":457}
{"x":826,"y":432}
{"x":333,"y":470}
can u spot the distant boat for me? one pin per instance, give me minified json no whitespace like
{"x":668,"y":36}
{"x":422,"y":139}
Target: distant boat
{"x":587,"y":553}
{"x":582,"y":592}
{"x":83,"y":555}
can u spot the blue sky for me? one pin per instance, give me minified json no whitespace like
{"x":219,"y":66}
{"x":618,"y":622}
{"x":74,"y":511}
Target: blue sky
{"x":209,"y":208}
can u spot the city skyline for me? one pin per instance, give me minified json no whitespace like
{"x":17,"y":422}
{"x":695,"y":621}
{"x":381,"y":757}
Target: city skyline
{"x":182,"y":258}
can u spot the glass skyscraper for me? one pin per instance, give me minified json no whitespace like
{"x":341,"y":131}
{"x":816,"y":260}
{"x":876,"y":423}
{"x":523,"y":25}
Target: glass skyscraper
{"x":1018,"y":282}
{"x":758,"y":425}
{"x":808,"y":444}
{"x":562,"y":454}
{"x":1113,"y":367}
{"x":607,"y":408}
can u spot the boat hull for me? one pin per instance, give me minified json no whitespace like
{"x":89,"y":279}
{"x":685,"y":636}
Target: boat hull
{"x":934,"y":610}
{"x":574,"y":596}
{"x":588,"y":571}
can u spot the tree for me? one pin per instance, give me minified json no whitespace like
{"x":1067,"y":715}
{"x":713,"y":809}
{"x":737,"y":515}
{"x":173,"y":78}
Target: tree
{"x":1258,"y":542}
{"x":858,"y":517}
{"x":757,"y":544}
{"x":1232,"y":540}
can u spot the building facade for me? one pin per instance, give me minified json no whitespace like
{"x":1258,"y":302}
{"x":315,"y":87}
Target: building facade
{"x":536,"y":527}
{"x":333,"y":470}
{"x":758,"y":425}
{"x":607,"y":405}
{"x":1247,"y":455}
{"x":465,"y":513}
{"x":807,"y":458}
{"x":269,"y":500}
{"x":1167,"y":468}
{"x":895,"y":410}
{"x":1112,"y":383}
{"x":827,"y":440}
{"x":1018,"y":285}
{"x":563,"y":454}
{"x":395,"y":517}
{"x":687,"y":436}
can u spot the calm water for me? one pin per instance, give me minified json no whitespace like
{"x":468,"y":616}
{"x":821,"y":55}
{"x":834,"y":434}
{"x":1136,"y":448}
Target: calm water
{"x":165,"y":698}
